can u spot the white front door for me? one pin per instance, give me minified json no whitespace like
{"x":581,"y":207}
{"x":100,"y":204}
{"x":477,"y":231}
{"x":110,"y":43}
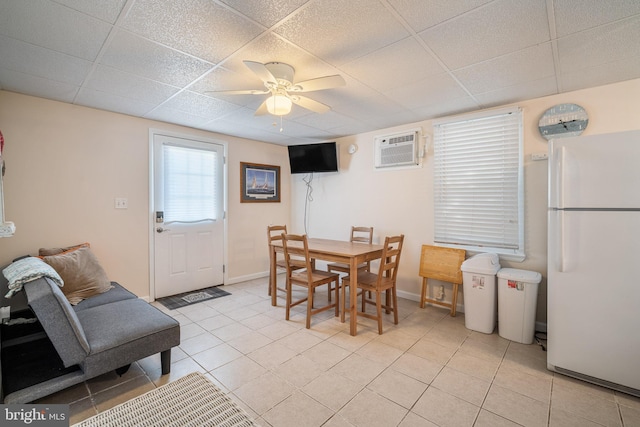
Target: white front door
{"x":188,"y":204}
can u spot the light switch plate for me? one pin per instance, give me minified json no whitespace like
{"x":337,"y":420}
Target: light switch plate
{"x":121,"y":203}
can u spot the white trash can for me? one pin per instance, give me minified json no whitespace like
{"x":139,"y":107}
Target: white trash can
{"x":479,"y":290}
{"x":517,"y":301}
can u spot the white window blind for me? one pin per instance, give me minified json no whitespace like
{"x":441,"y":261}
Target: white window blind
{"x":189,"y":184}
{"x":478,"y":188}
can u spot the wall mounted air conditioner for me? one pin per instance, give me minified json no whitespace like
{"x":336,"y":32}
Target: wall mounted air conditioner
{"x":399,"y":149}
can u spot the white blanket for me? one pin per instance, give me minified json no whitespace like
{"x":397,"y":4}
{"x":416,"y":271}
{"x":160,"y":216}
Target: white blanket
{"x":26,"y":270}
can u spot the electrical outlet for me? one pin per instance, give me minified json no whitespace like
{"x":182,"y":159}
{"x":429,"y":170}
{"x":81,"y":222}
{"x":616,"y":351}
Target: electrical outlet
{"x":121,"y":203}
{"x":539,"y":156}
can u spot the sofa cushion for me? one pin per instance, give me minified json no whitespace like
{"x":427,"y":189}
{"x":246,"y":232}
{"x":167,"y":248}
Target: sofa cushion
{"x":82,"y":273}
{"x":117,"y":293}
{"x":128,"y":321}
{"x":58,"y":319}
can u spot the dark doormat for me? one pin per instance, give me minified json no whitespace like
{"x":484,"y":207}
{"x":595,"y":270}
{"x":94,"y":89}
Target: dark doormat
{"x":176,"y":301}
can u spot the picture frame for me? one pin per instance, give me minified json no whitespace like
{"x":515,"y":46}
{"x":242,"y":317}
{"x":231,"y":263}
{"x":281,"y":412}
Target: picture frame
{"x":259,"y":183}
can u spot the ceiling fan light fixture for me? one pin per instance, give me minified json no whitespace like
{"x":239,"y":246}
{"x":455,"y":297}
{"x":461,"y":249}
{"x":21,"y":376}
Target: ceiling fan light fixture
{"x":279,"y":105}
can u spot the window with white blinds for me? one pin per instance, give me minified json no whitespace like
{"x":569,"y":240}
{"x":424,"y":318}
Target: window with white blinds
{"x":478,"y":183}
{"x":189,"y":184}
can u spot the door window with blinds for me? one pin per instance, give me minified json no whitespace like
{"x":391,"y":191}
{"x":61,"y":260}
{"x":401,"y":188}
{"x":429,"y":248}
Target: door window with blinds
{"x":478,"y":183}
{"x":189,"y":184}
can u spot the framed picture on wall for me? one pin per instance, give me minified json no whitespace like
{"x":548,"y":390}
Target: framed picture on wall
{"x":259,"y":183}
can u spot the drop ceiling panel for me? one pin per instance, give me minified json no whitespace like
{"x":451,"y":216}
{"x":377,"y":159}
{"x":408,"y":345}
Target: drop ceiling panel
{"x":266,"y":12}
{"x":212,"y":33}
{"x":523,"y":66}
{"x":51,"y":25}
{"x":110,"y":80}
{"x":428,"y":91}
{"x":601,"y":45}
{"x":106,"y":10}
{"x":135,"y":55}
{"x":599,"y":75}
{"x":423,"y":14}
{"x":37,"y":86}
{"x":572,"y":16}
{"x":489,"y":31}
{"x":199,"y":105}
{"x":394,"y":65}
{"x":452,"y":106}
{"x":340,"y":31}
{"x":112,"y":102}
{"x":38,"y":61}
{"x":511,"y":94}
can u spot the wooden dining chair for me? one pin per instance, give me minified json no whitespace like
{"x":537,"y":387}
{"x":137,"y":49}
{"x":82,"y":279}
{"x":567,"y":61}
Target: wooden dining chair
{"x":442,"y":264}
{"x":296,"y":253}
{"x":274,"y":234}
{"x":358,"y":235}
{"x":383,"y":281}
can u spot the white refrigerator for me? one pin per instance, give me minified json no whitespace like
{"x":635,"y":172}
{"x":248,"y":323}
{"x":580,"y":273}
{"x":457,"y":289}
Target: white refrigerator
{"x":593,"y":280}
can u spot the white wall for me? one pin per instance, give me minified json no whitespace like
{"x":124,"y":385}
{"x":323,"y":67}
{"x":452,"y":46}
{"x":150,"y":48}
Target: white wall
{"x":67,"y":163}
{"x":400,"y":201}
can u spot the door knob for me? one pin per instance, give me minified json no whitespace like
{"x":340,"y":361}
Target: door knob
{"x":160,"y":229}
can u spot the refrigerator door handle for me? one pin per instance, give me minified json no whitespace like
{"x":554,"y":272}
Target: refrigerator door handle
{"x":559,"y":169}
{"x":561,"y":242}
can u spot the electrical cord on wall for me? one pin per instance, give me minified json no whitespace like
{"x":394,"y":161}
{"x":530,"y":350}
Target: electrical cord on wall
{"x":309,"y":198}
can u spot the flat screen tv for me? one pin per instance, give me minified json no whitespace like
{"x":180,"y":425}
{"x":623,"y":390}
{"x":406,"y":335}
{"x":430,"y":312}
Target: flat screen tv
{"x":307,"y":158}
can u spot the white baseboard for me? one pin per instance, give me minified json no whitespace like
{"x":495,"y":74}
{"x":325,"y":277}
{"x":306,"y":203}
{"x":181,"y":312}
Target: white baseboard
{"x":240,"y":279}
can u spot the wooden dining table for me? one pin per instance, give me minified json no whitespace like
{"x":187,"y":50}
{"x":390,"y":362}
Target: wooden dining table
{"x":328,"y":250}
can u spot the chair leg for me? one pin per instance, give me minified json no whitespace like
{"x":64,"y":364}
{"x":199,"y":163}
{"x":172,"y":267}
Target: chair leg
{"x":364,"y":300}
{"x":344,"y":301}
{"x":337,"y":297}
{"x":310,"y":291}
{"x":454,"y":300}
{"x":394,"y":297}
{"x":387,"y":301}
{"x":288,"y":300}
{"x":378,"y":310}
{"x":423,"y":292}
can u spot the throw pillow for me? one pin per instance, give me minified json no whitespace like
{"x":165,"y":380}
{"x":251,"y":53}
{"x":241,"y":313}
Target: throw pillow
{"x":81,"y":272}
{"x":55,"y":251}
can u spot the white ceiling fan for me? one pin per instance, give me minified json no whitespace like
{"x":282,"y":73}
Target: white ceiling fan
{"x":278,"y":81}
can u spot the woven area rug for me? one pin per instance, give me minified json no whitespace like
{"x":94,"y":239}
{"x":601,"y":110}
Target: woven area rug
{"x":191,"y":401}
{"x":176,"y":301}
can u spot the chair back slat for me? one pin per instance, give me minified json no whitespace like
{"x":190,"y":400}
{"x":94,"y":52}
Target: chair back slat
{"x":390,"y":257}
{"x":362,"y":234}
{"x":274,"y":232}
{"x":296,"y":254}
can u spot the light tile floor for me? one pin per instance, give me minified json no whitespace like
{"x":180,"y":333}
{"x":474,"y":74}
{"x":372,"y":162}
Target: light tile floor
{"x":429,"y":370}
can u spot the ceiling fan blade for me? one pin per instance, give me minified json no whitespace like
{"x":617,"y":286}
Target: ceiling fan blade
{"x":310,"y":104}
{"x":239,"y":92}
{"x":320,"y":83}
{"x":261,"y":71}
{"x":262,"y":109}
